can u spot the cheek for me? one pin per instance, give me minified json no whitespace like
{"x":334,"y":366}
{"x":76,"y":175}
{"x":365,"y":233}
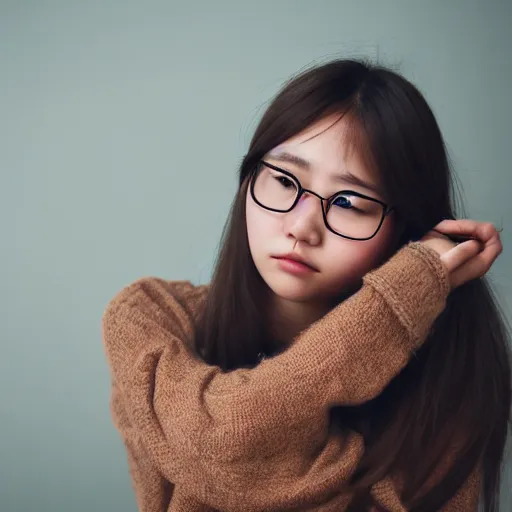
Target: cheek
{"x":254,"y":225}
{"x":260,"y":225}
{"x":345,"y":262}
{"x":350,"y":260}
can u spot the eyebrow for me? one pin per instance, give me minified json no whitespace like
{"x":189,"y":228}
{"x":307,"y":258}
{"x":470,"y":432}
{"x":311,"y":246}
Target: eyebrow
{"x":346,"y":177}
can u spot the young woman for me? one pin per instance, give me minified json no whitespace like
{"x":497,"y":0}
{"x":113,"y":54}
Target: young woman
{"x":348,"y":354}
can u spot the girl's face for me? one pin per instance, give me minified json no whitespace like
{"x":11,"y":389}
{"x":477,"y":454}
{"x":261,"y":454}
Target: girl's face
{"x":319,"y":158}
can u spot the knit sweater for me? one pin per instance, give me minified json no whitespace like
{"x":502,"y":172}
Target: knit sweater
{"x":201,"y":440}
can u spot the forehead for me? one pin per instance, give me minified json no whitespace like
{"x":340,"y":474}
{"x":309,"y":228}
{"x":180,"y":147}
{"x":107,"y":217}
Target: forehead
{"x":330,"y":148}
{"x":329,"y":142}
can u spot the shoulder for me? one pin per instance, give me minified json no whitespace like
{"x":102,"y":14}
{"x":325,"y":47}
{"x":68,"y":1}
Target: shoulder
{"x":172,"y":304}
{"x":154,"y":290}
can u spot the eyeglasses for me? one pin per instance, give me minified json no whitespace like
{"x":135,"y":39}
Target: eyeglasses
{"x":347,"y":213}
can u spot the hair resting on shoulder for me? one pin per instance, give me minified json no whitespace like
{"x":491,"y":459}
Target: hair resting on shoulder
{"x":456,"y":392}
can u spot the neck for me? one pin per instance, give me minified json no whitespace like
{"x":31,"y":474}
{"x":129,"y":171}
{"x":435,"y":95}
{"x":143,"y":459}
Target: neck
{"x":289,"y":318}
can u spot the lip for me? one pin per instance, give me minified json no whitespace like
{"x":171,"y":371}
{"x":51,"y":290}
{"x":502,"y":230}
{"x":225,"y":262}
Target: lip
{"x":295,"y":262}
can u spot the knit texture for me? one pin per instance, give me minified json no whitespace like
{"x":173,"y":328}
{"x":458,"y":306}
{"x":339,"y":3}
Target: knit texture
{"x":202,"y":440}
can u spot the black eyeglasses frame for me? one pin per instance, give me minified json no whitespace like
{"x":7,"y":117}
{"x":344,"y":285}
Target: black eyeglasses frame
{"x":386,"y":209}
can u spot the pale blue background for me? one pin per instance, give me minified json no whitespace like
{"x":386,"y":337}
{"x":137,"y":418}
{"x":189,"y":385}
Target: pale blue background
{"x":121,"y":128}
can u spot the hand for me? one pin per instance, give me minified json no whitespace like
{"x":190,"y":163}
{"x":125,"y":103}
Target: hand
{"x":470,"y":259}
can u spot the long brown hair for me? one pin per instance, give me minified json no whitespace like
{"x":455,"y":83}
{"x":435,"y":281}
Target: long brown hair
{"x":455,"y":395}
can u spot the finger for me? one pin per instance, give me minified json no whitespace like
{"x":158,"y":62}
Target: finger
{"x":478,"y":265}
{"x":482,"y":231}
{"x":460,"y":254}
{"x":435,"y":233}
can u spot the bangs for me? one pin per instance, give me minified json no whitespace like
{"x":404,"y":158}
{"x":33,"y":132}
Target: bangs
{"x":356,"y":140}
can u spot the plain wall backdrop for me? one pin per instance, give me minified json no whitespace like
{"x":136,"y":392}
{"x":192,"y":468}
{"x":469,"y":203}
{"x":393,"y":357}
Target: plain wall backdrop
{"x":122,"y":124}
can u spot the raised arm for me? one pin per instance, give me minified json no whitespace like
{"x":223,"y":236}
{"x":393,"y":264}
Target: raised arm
{"x":260,"y":438}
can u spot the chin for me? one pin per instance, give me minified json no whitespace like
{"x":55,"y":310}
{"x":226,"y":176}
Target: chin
{"x":303,"y":291}
{"x":295,"y":290}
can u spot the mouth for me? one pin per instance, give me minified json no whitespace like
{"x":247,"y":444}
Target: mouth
{"x":295,"y":263}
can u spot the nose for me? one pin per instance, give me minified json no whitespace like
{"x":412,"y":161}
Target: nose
{"x":305,"y":222}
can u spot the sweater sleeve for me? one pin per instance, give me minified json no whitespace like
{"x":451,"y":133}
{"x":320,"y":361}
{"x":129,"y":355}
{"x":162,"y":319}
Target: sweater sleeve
{"x":152,"y":490}
{"x":468,"y":496}
{"x":260,"y":438}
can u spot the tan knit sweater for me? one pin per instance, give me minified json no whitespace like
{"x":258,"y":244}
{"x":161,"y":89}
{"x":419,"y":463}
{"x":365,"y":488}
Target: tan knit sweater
{"x":199,"y":439}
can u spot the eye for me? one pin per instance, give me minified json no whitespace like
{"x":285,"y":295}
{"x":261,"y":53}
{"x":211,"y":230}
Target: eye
{"x":342,"y":202}
{"x":284,"y":181}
